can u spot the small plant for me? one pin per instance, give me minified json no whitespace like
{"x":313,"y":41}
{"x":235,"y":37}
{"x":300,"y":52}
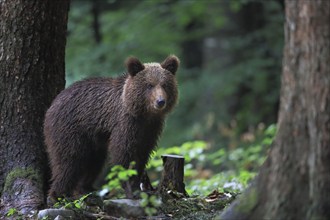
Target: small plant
{"x":118,"y":175}
{"x":150,"y":203}
{"x":78,"y":203}
{"x":12,"y":212}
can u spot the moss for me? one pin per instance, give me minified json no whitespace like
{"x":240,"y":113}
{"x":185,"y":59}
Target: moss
{"x":248,"y":201}
{"x":24,"y":173}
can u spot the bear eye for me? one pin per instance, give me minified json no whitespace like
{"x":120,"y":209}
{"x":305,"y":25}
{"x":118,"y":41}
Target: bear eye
{"x":149,"y":86}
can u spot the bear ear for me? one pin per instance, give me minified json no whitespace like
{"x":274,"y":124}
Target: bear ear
{"x":134,"y":65}
{"x":171,"y":63}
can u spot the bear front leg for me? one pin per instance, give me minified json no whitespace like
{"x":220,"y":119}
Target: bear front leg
{"x":122,"y":156}
{"x":145,"y":183}
{"x":141,"y":181}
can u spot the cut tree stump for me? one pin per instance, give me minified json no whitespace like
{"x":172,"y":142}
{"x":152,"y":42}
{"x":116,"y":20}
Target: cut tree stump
{"x":173,"y":174}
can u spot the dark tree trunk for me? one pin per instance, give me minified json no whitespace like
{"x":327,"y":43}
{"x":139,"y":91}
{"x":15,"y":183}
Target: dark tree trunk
{"x":32,"y":47}
{"x":192,"y":47}
{"x":294,"y":182}
{"x":95,"y":10}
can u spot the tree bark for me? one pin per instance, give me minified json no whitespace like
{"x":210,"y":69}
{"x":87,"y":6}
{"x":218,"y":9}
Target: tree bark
{"x":294,"y":182}
{"x":32,"y":47}
{"x":95,"y":10}
{"x":192,"y":47}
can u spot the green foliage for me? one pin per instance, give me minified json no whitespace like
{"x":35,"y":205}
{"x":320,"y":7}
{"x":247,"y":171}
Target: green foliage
{"x":12,"y":212}
{"x":75,"y":204}
{"x":148,"y":29}
{"x":150,"y":203}
{"x":234,"y":168}
{"x":192,"y":152}
{"x":118,"y":175}
{"x":239,"y":85}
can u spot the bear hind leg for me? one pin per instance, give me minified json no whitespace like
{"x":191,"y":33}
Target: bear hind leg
{"x":67,"y":170}
{"x":64,"y":181}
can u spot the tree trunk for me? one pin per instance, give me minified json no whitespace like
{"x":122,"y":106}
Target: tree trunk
{"x":294,"y":182}
{"x":95,"y":10}
{"x":192,"y":48}
{"x":32,"y":47}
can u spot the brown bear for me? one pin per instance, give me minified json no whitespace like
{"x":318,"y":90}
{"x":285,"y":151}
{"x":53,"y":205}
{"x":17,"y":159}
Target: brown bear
{"x":122,"y":117}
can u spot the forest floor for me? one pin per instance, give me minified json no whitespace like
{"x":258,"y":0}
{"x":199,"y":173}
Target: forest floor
{"x":171,"y":206}
{"x":197,"y":207}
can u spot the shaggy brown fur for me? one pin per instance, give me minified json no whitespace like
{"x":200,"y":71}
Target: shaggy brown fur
{"x":122,"y":116}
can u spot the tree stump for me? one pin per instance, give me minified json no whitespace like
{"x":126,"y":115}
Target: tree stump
{"x":173,"y":174}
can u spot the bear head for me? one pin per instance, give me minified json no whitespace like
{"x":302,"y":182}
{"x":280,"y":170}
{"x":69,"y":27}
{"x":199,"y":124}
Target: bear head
{"x":150,"y":88}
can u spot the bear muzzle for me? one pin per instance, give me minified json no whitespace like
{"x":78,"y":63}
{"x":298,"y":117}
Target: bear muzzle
{"x":160,"y":103}
{"x":159,"y":98}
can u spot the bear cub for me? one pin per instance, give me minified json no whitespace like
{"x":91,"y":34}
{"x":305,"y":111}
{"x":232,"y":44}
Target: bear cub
{"x":122,"y":117}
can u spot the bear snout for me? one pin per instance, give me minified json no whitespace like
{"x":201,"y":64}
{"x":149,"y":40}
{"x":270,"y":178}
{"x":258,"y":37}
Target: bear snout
{"x":160,"y":103}
{"x":158,"y":98}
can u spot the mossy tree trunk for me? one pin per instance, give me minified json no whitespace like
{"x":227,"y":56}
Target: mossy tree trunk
{"x":294,"y":182}
{"x":32,"y":47}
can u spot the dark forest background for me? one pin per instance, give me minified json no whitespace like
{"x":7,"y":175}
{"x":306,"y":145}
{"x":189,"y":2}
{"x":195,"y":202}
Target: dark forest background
{"x":229,"y":79}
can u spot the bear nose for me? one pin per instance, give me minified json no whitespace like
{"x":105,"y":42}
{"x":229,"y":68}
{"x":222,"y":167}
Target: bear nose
{"x":160,"y":103}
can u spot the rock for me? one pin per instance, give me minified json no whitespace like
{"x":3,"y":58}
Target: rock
{"x":126,"y":208}
{"x":59,"y":217}
{"x":55,"y":213}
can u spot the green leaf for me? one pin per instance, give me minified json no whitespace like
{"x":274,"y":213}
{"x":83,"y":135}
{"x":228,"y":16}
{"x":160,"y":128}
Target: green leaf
{"x":11,"y":212}
{"x":123,"y":176}
{"x":77,"y":205}
{"x":144,"y":195}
